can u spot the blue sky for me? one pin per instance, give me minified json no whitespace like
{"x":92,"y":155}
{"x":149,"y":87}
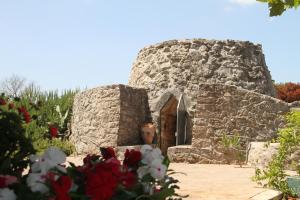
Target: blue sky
{"x":61,"y":44}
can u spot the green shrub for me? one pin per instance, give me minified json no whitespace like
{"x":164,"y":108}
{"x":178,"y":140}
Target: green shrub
{"x":49,"y":109}
{"x":233,"y":142}
{"x":15,"y":147}
{"x":64,"y":145}
{"x":274,"y":175}
{"x":25,"y":127}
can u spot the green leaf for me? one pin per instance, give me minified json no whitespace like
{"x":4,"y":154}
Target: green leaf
{"x":297,"y":3}
{"x":162,"y":195}
{"x":166,"y":161}
{"x":124,"y":195}
{"x":147,"y":178}
{"x":277,"y":8}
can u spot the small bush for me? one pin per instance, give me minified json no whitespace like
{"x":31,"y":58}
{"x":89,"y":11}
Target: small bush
{"x":52,"y":113}
{"x":274,"y":175}
{"x":288,"y":92}
{"x":64,"y":145}
{"x":33,"y":123}
{"x":233,"y":142}
{"x":15,"y":147}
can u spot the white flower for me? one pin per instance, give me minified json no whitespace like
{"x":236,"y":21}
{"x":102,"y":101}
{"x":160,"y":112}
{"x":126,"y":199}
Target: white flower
{"x":142,"y":171}
{"x":42,"y":166}
{"x":7,"y":194}
{"x":34,"y":158}
{"x":153,"y":160}
{"x":151,"y":155}
{"x":157,"y":169}
{"x":55,"y":155}
{"x":146,"y":148}
{"x":36,"y":182}
{"x":50,"y":159}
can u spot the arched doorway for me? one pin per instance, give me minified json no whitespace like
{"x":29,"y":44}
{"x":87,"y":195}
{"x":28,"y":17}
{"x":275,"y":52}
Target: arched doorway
{"x":168,"y":124}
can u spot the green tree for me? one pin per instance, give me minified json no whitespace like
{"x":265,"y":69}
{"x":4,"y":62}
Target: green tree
{"x":277,"y":7}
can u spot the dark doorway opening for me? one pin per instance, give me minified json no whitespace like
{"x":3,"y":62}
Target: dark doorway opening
{"x":168,"y":124}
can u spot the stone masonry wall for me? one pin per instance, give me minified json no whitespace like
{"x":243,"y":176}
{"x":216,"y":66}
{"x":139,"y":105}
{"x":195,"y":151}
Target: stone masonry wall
{"x":179,"y":66}
{"x":134,"y":112}
{"x":96,"y":116}
{"x":223,"y":109}
{"x":107,"y":116}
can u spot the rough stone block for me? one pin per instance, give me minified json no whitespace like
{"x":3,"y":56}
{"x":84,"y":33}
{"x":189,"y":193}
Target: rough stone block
{"x":108,"y":116}
{"x":261,"y":153}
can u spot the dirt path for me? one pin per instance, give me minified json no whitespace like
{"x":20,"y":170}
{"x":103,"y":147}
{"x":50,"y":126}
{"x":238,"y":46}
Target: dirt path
{"x":212,"y":182}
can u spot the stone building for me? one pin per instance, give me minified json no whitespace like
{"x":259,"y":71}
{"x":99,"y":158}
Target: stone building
{"x":195,"y":91}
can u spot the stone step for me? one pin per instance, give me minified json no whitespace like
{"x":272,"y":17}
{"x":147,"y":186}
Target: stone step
{"x":268,"y":195}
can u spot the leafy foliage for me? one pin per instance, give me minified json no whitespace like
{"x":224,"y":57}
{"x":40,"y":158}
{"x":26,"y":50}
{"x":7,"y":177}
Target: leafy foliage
{"x":274,"y":175}
{"x":49,"y":109}
{"x":24,"y":126}
{"x":100,"y":177}
{"x":234,"y":142}
{"x":288,"y":92}
{"x":277,"y":7}
{"x":14,"y":147}
{"x":231,"y":141}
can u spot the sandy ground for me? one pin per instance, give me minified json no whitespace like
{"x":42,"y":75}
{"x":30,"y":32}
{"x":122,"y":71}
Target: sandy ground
{"x":212,"y":182}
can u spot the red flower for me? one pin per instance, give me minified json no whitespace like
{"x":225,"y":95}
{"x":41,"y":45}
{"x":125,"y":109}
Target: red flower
{"x":108,"y":153}
{"x":89,"y":159}
{"x":6,"y":180}
{"x":132,"y":158}
{"x":102,"y":182}
{"x":128,"y":179}
{"x":53,"y":131}
{"x":2,"y":101}
{"x":11,"y":105}
{"x":2,"y":182}
{"x":62,"y":187}
{"x":156,"y":189}
{"x":27,"y":117}
{"x":88,"y":163}
{"x":22,"y":110}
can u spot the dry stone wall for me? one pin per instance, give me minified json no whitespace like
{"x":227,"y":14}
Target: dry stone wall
{"x":179,"y":66}
{"x":226,"y":87}
{"x":223,"y":109}
{"x":96,"y":116}
{"x":134,"y":112}
{"x":108,"y":116}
